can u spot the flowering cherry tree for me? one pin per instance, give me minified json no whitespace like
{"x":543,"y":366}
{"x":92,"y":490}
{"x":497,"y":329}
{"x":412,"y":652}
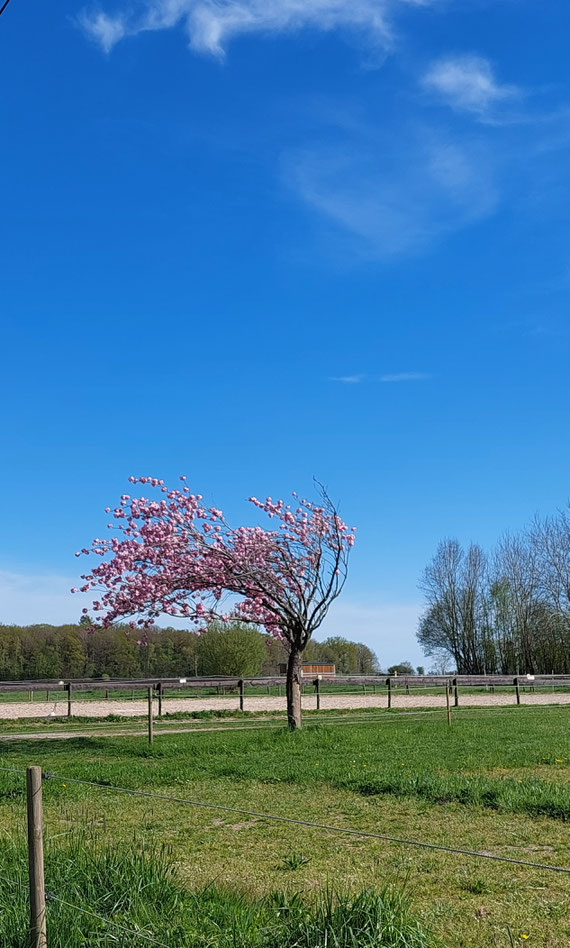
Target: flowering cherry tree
{"x":174,"y":555}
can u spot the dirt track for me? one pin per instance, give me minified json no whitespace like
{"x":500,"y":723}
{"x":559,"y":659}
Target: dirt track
{"x":99,"y":709}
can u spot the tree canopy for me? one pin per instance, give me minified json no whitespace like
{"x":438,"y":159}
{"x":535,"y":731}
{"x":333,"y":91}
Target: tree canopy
{"x":73,"y":651}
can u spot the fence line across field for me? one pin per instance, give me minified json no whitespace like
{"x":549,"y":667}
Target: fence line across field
{"x":48,"y":775}
{"x":220,"y":681}
{"x":73,"y":687}
{"x":175,"y":726}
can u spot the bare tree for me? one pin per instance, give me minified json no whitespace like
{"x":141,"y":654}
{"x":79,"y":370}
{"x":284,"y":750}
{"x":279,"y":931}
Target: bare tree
{"x":512,"y":616}
{"x":454,"y":584}
{"x":442,"y":663}
{"x":515,"y":590}
{"x":551,"y":539}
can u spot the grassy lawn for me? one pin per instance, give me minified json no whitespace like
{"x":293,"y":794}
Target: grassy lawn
{"x":496,"y":782}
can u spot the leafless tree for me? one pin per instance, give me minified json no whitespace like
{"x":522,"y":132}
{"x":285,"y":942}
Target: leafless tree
{"x":551,"y":539}
{"x":454,"y":584}
{"x":511,"y":615}
{"x":515,"y":592}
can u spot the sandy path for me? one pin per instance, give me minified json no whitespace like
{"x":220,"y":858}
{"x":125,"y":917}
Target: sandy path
{"x":99,"y":709}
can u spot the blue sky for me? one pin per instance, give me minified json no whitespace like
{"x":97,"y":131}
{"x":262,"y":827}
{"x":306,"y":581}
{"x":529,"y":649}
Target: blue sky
{"x":263,"y":240}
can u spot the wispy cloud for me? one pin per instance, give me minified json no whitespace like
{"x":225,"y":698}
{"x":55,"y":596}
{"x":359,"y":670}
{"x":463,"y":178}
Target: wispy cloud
{"x":348,"y":379}
{"x":210,"y":25}
{"x":103,"y":29}
{"x":396,"y":192}
{"x":388,"y":377}
{"x":405,"y":377}
{"x":468,"y":83}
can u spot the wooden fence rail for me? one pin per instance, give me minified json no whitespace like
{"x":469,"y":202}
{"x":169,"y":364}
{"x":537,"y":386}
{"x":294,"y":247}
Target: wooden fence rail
{"x":75,"y":685}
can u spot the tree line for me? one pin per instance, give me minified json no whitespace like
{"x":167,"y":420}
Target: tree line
{"x":75,"y":651}
{"x":506,"y":611}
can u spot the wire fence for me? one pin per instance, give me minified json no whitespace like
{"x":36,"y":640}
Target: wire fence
{"x":176,"y":725}
{"x":41,"y":897}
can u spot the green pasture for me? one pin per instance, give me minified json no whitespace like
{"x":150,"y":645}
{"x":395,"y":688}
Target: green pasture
{"x":497,"y":782}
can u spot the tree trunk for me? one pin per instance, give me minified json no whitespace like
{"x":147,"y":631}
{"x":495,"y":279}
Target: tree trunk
{"x":294,"y":689}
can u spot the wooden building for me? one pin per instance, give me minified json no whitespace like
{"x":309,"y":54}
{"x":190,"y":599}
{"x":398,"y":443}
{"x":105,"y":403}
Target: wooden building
{"x":312,"y":669}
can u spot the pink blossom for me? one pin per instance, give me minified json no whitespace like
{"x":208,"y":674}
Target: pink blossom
{"x":175,"y":553}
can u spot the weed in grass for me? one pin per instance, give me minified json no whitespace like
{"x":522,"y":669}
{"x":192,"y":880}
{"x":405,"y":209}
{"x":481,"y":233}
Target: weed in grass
{"x":293,"y":862}
{"x":476,"y":886}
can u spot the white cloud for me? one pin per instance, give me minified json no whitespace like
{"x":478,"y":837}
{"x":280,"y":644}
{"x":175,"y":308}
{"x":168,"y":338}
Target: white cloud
{"x":211,"y":24}
{"x":405,"y":377}
{"x":389,"y":377}
{"x":397,"y":192}
{"x":467,"y":83}
{"x":105,"y":30}
{"x":348,"y":379}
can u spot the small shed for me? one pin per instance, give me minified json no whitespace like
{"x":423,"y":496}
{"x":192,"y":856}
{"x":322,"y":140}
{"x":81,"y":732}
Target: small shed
{"x":312,"y":669}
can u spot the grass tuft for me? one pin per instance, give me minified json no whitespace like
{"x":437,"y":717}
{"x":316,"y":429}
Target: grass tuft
{"x":141,"y":892}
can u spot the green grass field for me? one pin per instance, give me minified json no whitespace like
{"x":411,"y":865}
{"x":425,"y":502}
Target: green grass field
{"x":495,"y":781}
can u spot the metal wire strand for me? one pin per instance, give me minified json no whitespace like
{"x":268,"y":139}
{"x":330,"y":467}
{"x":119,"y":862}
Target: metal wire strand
{"x":50,"y":897}
{"x":322,"y":826}
{"x":195,"y":726}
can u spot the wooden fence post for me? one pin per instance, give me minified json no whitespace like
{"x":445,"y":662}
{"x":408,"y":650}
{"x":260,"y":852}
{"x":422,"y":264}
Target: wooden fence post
{"x":241,"y":695}
{"x":517,"y":690}
{"x":69,"y":686}
{"x":150,"y":722}
{"x":318,"y":691}
{"x":389,"y":683}
{"x":159,"y":689}
{"x":36,"y":858}
{"x":456,"y":692}
{"x":447,"y":702}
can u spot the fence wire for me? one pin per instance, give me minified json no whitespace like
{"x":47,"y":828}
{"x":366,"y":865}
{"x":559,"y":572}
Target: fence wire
{"x":348,"y":831}
{"x":50,"y":897}
{"x":322,"y":826}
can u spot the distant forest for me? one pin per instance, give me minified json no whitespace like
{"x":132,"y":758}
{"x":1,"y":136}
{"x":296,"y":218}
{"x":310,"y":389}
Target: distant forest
{"x":74,"y":651}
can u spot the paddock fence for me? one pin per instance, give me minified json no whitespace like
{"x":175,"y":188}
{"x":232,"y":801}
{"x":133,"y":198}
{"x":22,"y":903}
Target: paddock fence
{"x":72,"y":696}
